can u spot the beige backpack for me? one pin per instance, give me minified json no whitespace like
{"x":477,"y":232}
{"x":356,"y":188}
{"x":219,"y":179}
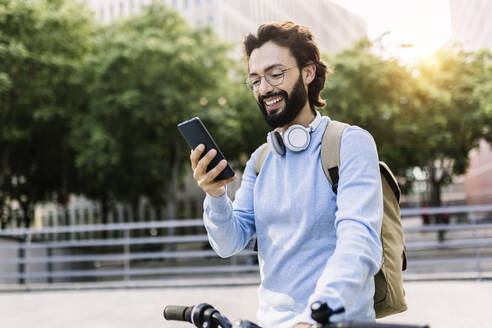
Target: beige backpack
{"x":389,"y":296}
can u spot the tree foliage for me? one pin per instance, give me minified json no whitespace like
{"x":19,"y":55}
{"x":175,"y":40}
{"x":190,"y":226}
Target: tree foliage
{"x":93,"y":109}
{"x":42,"y":44}
{"x":376,"y":94}
{"x":148,"y":73}
{"x":429,"y":116}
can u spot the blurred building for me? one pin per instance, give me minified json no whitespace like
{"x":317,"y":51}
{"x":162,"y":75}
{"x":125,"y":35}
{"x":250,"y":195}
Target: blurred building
{"x":471,"y":23}
{"x":334,"y":27}
{"x":471,"y":26}
{"x":478,"y":179}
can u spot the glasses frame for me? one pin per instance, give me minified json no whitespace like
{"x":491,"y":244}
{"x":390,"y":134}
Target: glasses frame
{"x":251,"y":87}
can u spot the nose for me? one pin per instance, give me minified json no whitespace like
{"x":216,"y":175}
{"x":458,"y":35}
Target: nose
{"x":265,"y":87}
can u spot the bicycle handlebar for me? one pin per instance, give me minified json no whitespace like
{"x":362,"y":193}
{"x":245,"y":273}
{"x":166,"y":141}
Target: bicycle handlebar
{"x":178,"y":313}
{"x":204,"y":315}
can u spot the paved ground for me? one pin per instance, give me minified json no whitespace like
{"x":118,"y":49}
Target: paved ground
{"x":440,"y":304}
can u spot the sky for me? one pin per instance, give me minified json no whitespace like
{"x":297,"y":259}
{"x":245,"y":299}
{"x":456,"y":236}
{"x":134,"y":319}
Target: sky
{"x":423,"y":23}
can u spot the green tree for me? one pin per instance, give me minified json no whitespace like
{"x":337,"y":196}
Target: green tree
{"x":427,"y":116}
{"x":456,"y":114}
{"x":148,"y":73}
{"x":42,"y":43}
{"x":378,"y":95}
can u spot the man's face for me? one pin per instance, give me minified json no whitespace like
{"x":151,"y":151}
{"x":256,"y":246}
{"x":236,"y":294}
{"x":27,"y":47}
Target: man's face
{"x":280,"y":104}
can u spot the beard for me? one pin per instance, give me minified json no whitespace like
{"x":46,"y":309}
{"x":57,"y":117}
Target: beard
{"x":293,"y":105}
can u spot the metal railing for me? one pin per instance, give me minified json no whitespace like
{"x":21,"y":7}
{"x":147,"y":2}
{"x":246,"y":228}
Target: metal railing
{"x":175,"y":249}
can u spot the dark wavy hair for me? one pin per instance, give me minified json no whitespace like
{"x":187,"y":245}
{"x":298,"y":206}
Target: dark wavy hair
{"x":300,"y":41}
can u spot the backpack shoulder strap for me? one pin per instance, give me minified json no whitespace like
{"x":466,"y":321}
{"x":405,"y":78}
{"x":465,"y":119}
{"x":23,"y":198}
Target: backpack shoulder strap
{"x":264,"y":149}
{"x":393,"y":183}
{"x":330,"y":151}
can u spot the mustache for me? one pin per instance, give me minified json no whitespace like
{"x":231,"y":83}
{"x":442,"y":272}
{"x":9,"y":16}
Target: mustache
{"x":273,"y":94}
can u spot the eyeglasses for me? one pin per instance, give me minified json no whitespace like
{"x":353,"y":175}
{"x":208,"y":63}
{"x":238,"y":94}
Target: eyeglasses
{"x":274,"y":77}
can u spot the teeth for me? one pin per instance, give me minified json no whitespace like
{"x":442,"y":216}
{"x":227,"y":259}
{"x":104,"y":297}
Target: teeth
{"x":273,"y":101}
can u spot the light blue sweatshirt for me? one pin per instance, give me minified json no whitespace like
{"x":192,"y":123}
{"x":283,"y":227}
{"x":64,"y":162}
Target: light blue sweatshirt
{"x":312,"y":244}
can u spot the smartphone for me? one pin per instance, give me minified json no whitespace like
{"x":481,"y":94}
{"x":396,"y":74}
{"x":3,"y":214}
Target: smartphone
{"x":196,"y":133}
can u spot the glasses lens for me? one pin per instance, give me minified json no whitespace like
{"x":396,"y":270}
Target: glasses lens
{"x":274,"y":77}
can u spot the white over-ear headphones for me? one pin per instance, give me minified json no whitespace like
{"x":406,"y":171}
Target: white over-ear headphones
{"x":295,"y":138}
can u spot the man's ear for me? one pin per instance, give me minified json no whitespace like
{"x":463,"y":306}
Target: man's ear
{"x":309,"y":72}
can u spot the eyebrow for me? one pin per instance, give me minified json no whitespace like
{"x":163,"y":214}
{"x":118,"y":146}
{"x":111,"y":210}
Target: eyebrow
{"x":267,"y":69}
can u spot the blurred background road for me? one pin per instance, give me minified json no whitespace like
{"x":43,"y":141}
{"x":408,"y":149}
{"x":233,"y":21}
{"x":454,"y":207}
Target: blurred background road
{"x":451,"y":304}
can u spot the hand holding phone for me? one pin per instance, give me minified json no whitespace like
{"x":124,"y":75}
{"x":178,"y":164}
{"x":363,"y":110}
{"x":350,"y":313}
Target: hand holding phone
{"x":210,"y":169}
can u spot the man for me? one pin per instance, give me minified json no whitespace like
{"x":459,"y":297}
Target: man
{"x":313,"y":245}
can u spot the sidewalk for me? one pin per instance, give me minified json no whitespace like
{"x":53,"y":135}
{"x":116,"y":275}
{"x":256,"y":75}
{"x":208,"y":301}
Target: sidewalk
{"x":451,"y":304}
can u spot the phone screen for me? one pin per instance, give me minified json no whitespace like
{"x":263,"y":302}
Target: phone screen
{"x":196,"y":133}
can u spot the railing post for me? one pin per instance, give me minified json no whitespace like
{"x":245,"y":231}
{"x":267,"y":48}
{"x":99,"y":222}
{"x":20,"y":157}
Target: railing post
{"x":21,"y":267}
{"x":126,"y":248}
{"x":477,"y":248}
{"x":26,"y":256}
{"x":71,"y":222}
{"x":49,"y":253}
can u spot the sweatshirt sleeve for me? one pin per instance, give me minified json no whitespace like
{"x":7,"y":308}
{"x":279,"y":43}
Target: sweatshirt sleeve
{"x":230,"y":226}
{"x":358,"y":253}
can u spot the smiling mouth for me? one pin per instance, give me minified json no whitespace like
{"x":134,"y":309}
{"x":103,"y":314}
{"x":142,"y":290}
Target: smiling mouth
{"x":273,"y":104}
{"x":270,"y":102}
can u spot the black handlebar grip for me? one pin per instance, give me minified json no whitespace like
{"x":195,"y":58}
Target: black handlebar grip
{"x":178,"y":313}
